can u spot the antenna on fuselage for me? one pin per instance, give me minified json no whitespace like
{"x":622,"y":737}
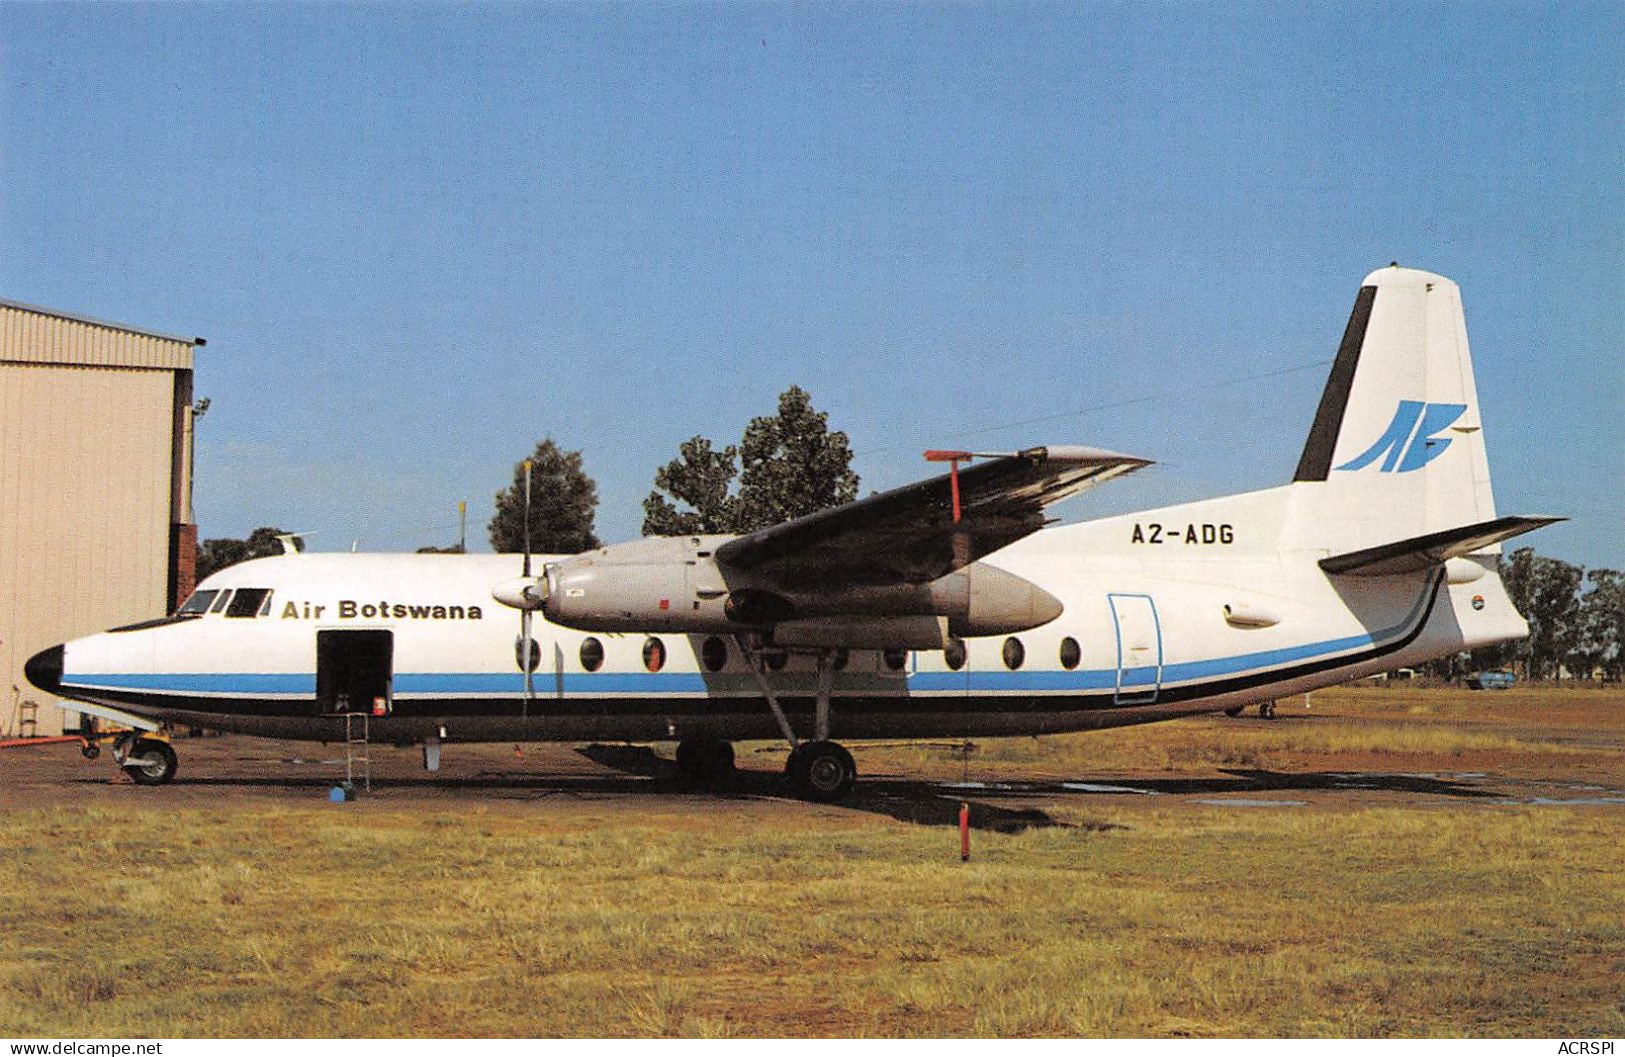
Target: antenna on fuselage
{"x":293,"y":542}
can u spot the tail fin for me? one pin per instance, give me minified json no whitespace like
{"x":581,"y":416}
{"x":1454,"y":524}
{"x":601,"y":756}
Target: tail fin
{"x":1397,"y":441}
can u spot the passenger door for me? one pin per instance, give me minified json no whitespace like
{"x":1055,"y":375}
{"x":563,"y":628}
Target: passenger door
{"x":1139,"y":649}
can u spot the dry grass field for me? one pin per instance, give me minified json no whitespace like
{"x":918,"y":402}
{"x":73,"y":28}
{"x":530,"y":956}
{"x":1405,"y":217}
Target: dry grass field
{"x":1412,"y":879}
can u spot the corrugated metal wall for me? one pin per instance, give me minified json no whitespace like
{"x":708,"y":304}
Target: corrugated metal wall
{"x":88,"y":485}
{"x":35,"y":337}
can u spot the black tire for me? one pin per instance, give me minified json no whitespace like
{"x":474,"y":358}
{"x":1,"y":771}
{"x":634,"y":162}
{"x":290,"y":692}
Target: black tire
{"x":151,"y":762}
{"x":90,"y":750}
{"x":704,"y":760}
{"x":1267,"y":710}
{"x":1233,"y":711}
{"x":821,"y":771}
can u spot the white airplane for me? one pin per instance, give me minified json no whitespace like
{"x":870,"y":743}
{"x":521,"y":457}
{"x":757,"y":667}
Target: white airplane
{"x":943,"y":608}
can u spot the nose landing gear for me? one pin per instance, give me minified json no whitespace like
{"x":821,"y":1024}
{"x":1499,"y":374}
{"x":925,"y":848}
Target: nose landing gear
{"x":149,"y":761}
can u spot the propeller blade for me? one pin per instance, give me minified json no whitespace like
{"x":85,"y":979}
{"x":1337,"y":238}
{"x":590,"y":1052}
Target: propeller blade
{"x":530,"y":658}
{"x":527,"y":518}
{"x":529,"y":647}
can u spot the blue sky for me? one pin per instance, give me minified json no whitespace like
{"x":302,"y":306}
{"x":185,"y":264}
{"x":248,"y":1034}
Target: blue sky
{"x":418,"y":238}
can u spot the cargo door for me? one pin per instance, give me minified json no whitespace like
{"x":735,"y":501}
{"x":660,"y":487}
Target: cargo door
{"x":355,"y":671}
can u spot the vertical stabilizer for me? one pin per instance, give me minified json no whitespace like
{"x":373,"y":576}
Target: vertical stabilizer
{"x":1397,"y":445}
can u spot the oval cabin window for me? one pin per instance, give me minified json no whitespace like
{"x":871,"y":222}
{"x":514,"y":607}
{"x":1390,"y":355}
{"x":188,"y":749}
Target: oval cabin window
{"x":1014,"y":653}
{"x":654,"y":654}
{"x":592,"y":654}
{"x":895,"y":659}
{"x":714,"y":654}
{"x":1071,"y":653}
{"x":954,"y":654}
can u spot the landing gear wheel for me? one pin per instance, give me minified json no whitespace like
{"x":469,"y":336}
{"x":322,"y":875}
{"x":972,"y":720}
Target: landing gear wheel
{"x":151,"y":762}
{"x":821,"y":771}
{"x":1266,"y":710}
{"x":1233,"y":712}
{"x":90,"y":750}
{"x":705,"y":760}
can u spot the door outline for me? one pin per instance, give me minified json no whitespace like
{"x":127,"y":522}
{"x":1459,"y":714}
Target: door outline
{"x":352,"y":666}
{"x":1131,"y":606}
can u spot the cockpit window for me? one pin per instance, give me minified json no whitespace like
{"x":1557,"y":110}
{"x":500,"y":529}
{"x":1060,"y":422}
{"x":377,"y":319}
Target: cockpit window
{"x":197,"y":605}
{"x":248,"y":601}
{"x":220,"y":603}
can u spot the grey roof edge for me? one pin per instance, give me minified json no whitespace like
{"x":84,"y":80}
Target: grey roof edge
{"x":76,"y":318}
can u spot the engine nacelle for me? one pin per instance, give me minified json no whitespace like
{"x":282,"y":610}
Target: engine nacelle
{"x":633,"y":596}
{"x":674,"y":585}
{"x":865,"y":633}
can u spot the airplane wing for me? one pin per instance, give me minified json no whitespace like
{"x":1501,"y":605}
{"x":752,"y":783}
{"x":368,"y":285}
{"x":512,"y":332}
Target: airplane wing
{"x":910,"y":535}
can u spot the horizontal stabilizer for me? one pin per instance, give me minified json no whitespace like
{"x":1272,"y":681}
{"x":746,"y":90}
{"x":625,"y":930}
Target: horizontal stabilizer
{"x":1424,"y":552}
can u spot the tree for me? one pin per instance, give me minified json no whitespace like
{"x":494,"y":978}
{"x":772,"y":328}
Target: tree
{"x":215,"y":554}
{"x":701,"y":478}
{"x":1546,"y":592}
{"x":1603,"y":619}
{"x":563,"y":502}
{"x":791,"y":465}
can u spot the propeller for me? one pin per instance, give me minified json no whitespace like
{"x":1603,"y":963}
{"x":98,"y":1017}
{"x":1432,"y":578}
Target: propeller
{"x":527,"y":595}
{"x":527,"y":648}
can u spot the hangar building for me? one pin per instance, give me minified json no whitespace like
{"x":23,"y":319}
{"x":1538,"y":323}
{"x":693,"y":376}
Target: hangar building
{"x":95,"y":488}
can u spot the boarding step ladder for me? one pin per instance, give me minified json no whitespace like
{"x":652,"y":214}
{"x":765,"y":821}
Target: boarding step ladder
{"x":28,"y":718}
{"x":357,"y":749}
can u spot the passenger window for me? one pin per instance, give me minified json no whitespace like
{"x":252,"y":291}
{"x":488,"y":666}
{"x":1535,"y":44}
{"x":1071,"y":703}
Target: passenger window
{"x":714,"y":654}
{"x":220,"y":603}
{"x":592,"y":654}
{"x":1014,"y":653}
{"x":246,"y":602}
{"x":1071,"y":653}
{"x":198,"y":604}
{"x":654,"y":654}
{"x":954,"y":654}
{"x":895,"y":659}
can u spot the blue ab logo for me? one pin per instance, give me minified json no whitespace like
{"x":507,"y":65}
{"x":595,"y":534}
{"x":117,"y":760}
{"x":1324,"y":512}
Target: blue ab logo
{"x":1424,"y":444}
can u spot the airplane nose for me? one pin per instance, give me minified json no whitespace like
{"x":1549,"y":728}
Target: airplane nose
{"x":44,"y":670}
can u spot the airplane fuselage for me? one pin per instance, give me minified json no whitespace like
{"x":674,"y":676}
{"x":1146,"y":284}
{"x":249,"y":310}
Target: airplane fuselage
{"x":1167,"y":613}
{"x":875,"y":619}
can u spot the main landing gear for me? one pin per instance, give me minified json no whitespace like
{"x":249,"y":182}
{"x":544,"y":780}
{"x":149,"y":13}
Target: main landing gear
{"x":820,"y":769}
{"x":705,"y":761}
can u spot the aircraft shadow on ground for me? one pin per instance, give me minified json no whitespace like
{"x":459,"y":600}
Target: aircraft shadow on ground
{"x":644,"y":772}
